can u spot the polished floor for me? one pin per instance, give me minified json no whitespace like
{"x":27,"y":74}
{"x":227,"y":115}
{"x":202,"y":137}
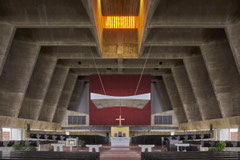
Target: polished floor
{"x":120,"y":153}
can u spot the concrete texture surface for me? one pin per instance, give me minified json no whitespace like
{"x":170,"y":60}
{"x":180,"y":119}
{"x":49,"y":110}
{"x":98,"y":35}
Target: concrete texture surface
{"x":47,"y":48}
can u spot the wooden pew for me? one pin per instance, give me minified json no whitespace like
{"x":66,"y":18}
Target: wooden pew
{"x":190,"y":155}
{"x":49,"y":155}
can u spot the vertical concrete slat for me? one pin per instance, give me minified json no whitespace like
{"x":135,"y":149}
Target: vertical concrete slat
{"x":164,"y":96}
{"x":233,"y":32}
{"x":65,"y":97}
{"x":224,"y":75}
{"x":186,"y":93}
{"x":16,"y":76}
{"x":202,"y":87}
{"x":7,"y":32}
{"x":37,"y":87}
{"x":53,"y":93}
{"x":175,"y":98}
{"x":76,"y":95}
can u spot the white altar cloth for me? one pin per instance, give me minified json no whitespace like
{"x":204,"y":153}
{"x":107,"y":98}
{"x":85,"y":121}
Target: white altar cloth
{"x":120,"y":141}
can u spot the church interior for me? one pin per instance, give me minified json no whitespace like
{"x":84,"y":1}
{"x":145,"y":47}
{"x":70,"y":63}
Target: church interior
{"x":120,"y":79}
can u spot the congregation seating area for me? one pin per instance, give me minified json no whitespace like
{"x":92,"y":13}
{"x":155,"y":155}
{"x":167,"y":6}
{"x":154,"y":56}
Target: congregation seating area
{"x":213,"y":143}
{"x":88,"y":139}
{"x":29,"y":143}
{"x":190,"y":155}
{"x":50,"y":155}
{"x":162,"y":139}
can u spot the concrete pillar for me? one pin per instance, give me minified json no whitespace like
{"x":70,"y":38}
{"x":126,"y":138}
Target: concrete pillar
{"x":7,"y":32}
{"x":15,"y":76}
{"x":233,"y":32}
{"x":65,"y":97}
{"x":186,"y":93}
{"x":164,"y":95}
{"x":175,"y":98}
{"x":202,"y":87}
{"x":53,"y":93}
{"x":224,"y":75}
{"x":37,"y":87}
{"x":1,"y":133}
{"x":76,"y":95}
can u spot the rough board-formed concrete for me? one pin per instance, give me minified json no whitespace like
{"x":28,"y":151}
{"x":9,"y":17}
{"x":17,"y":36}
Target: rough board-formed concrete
{"x":53,"y":94}
{"x":38,"y":87}
{"x":175,"y":98}
{"x":186,"y":93}
{"x":38,"y":35}
{"x":16,"y":76}
{"x":202,"y":88}
{"x":224,"y":75}
{"x":65,"y":97}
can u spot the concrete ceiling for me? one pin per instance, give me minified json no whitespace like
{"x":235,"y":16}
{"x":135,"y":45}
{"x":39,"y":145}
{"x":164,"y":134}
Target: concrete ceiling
{"x":192,"y":45}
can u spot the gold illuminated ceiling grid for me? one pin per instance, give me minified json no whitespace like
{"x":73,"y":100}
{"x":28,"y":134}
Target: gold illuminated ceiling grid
{"x":119,"y":22}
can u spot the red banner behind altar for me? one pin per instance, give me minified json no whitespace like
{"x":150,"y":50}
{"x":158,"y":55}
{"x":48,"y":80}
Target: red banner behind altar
{"x":120,"y":85}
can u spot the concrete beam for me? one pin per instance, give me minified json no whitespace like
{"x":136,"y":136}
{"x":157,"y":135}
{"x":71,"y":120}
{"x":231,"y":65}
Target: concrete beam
{"x":16,"y":76}
{"x":164,"y":96}
{"x":186,"y":93}
{"x":183,"y":36}
{"x":75,"y":95}
{"x":197,"y":14}
{"x":88,"y":5}
{"x":12,"y":122}
{"x":90,"y":71}
{"x":224,"y":75}
{"x":230,"y":122}
{"x":65,"y":98}
{"x":114,"y":63}
{"x":56,"y":36}
{"x":37,"y":87}
{"x":169,"y":52}
{"x":7,"y":32}
{"x":53,"y":93}
{"x":232,"y":32}
{"x":42,"y":13}
{"x":175,"y":98}
{"x":146,"y":14}
{"x":202,"y":87}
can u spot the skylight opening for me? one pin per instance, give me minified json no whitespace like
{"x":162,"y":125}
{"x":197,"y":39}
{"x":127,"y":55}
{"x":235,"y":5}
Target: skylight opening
{"x":120,"y":22}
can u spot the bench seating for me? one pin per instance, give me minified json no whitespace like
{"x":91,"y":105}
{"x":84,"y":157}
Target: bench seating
{"x":190,"y":155}
{"x":50,"y":155}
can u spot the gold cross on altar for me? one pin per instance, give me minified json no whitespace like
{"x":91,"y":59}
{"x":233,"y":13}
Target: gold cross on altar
{"x":120,"y":119}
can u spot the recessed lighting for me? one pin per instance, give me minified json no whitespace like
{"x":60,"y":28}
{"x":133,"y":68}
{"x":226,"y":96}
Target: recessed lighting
{"x":160,"y":63}
{"x":79,"y":62}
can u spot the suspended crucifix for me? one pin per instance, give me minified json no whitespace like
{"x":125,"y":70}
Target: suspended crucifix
{"x":120,"y":119}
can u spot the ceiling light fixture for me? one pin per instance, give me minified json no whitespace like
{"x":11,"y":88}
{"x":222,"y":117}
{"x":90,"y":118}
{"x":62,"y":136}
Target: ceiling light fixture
{"x":119,"y":22}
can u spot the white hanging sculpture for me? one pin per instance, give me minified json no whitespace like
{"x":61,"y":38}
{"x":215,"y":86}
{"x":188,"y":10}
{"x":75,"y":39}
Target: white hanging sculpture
{"x":136,"y":101}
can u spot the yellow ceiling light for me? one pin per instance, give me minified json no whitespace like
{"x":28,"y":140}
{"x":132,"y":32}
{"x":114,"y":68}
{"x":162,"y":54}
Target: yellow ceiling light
{"x":119,"y":22}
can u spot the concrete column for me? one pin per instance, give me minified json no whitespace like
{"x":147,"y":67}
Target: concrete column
{"x":175,"y":98}
{"x":1,"y":133}
{"x":224,"y":75}
{"x":202,"y":87}
{"x":53,"y":93}
{"x":186,"y":93}
{"x":76,"y":95}
{"x":37,"y":87}
{"x":15,"y":76}
{"x":7,"y":32}
{"x":233,"y":32}
{"x":164,"y":96}
{"x":65,"y":97}
{"x":239,"y":134}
